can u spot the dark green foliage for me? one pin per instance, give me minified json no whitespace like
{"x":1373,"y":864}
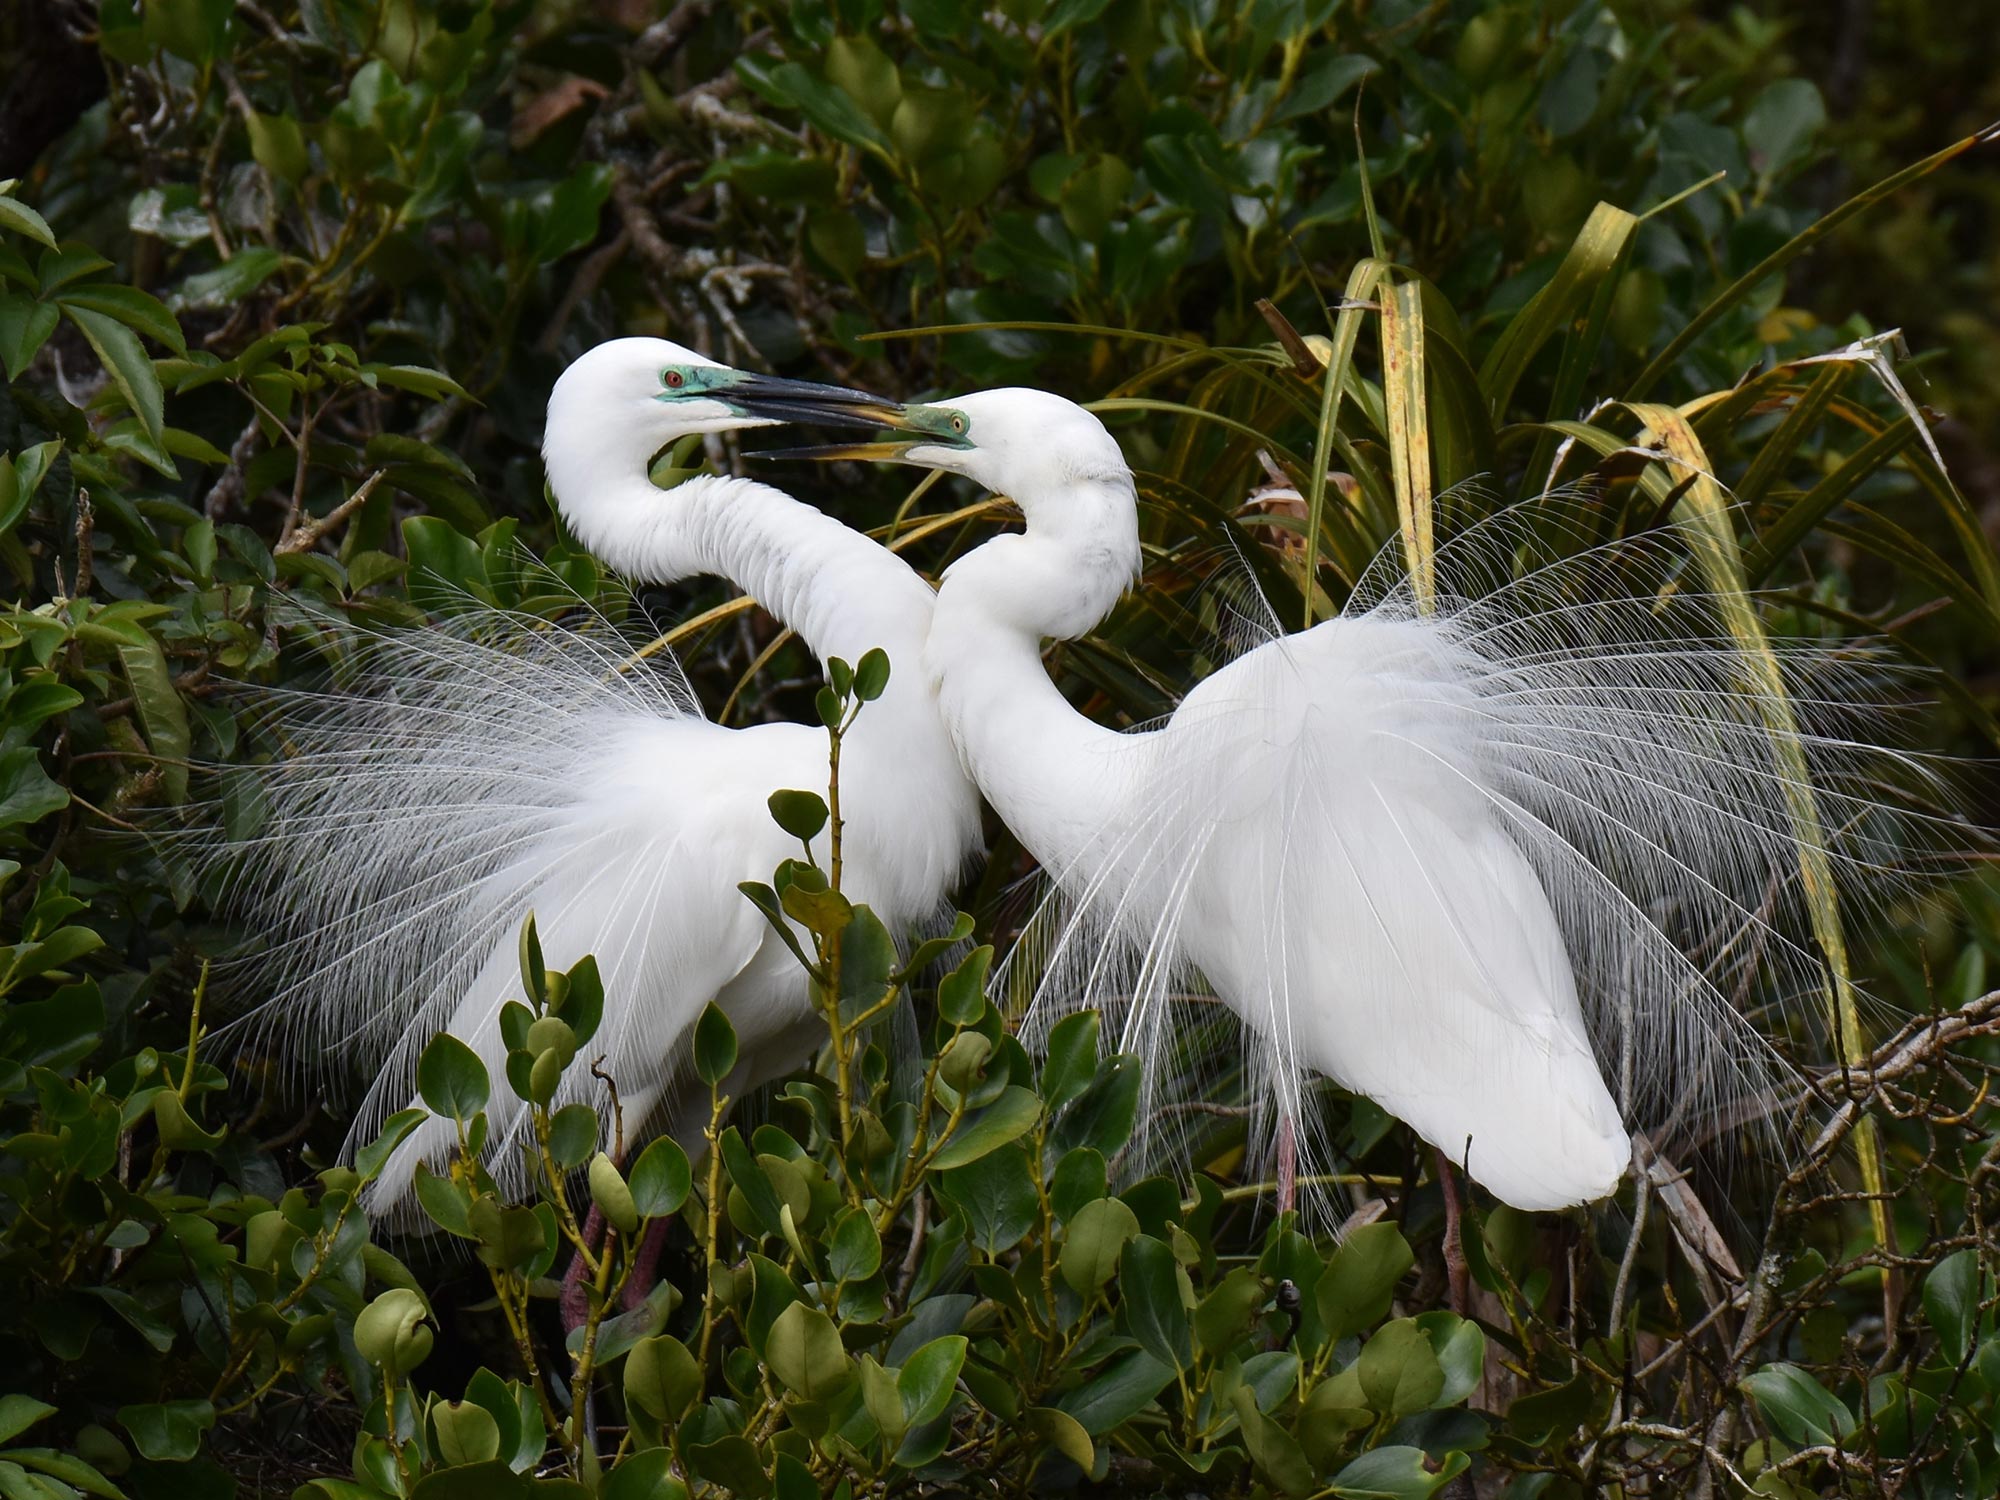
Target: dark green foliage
{"x":278,"y":313}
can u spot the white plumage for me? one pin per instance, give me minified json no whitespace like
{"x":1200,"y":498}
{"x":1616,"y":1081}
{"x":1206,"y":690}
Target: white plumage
{"x":467,"y":773}
{"x":1523,"y":870}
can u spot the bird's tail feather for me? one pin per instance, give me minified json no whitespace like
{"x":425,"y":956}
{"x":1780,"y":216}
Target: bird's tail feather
{"x":411,"y":814}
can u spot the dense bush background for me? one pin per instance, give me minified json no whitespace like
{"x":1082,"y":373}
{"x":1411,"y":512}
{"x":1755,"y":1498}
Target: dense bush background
{"x":259,"y":254}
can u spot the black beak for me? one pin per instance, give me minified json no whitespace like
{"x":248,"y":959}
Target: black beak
{"x":925,"y":426}
{"x":777,"y":399}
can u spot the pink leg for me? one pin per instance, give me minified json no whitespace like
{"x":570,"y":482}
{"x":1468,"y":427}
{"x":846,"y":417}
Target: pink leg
{"x":645,"y":1273}
{"x":1457,"y":1272}
{"x":574,"y":1303}
{"x":1288,"y":1163}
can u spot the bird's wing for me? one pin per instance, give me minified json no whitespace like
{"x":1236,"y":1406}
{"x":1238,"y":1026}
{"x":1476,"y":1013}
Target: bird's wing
{"x":1336,"y":872}
{"x":465,"y":774}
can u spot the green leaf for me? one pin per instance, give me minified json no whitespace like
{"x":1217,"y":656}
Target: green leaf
{"x":278,"y":145}
{"x":1071,"y":1063}
{"x":826,"y":108}
{"x":608,"y":1191}
{"x":125,"y":361}
{"x":1062,"y":1432}
{"x":1399,"y":1370}
{"x":162,"y":713}
{"x":447,"y":1204}
{"x":510,"y":1238}
{"x":1460,"y":1347}
{"x":452,"y":1079}
{"x":1007,"y":1118}
{"x":139,"y":311}
{"x":168,"y":1430}
{"x":197,"y":30}
{"x":933,"y":948}
{"x":21,"y":219}
{"x":1552,"y":1414}
{"x":1277,"y":1454}
{"x":1124,"y":1390}
{"x":645,"y":1475}
{"x":1105,"y":1114}
{"x":1360,"y":1279}
{"x":582,"y":1006}
{"x":871,"y":674}
{"x":617,"y":1335}
{"x":18,"y":1413}
{"x":1598,"y":251}
{"x":733,"y":1464}
{"x":962,"y":992}
{"x":804,"y":1351}
{"x":534,"y":968}
{"x":573,"y":212}
{"x":1800,"y":1410}
{"x":27,"y":794}
{"x":465,"y":1433}
{"x":860,"y":69}
{"x":1093,"y":1242}
{"x":996,"y":1196}
{"x":750,"y":1179}
{"x":662,"y":1378}
{"x":1226,"y":1314}
{"x":714,"y":1046}
{"x":230,"y":282}
{"x":801,"y":814}
{"x":25,"y":325}
{"x":1149,"y":1290}
{"x":928,"y":1377}
{"x":1093,"y":199}
{"x":1396,"y":1473}
{"x":573,"y":1135}
{"x":854,"y":1253}
{"x":418,"y":380}
{"x":1780,"y":126}
{"x":1951,"y":1302}
{"x":661,"y":1178}
{"x":67,"y":1468}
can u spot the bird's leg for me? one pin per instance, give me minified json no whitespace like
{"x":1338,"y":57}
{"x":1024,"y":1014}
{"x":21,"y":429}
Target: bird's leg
{"x":645,"y":1272}
{"x":1457,"y":1272}
{"x":575,"y":1303}
{"x":1288,"y":1161}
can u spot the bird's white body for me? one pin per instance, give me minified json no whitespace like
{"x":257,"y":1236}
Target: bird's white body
{"x":492,"y":766}
{"x":1466,"y":862}
{"x":1308,"y":831}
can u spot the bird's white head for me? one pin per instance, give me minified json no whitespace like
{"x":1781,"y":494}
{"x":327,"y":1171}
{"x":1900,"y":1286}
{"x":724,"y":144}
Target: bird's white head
{"x":1054,"y":460}
{"x":1036,"y":448}
{"x":620,"y":403}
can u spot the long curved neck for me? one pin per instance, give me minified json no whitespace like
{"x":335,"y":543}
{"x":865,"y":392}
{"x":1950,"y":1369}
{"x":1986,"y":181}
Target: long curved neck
{"x":1051,"y":774}
{"x":844,"y":595}
{"x":841,"y":592}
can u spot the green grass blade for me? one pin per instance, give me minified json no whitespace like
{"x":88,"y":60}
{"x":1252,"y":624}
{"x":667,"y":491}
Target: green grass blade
{"x":1599,"y":249}
{"x":1812,"y":508}
{"x":1362,"y":283}
{"x":1785,"y":442}
{"x":1791,"y":250}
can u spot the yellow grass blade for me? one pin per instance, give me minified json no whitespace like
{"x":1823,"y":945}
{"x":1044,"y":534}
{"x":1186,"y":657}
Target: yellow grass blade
{"x":1409,"y":433}
{"x":1705,"y":508}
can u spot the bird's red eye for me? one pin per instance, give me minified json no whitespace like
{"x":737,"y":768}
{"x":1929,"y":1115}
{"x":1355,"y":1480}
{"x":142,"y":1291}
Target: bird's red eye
{"x":674,"y":379}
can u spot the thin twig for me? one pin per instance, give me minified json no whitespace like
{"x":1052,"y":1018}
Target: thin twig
{"x":308,"y":534}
